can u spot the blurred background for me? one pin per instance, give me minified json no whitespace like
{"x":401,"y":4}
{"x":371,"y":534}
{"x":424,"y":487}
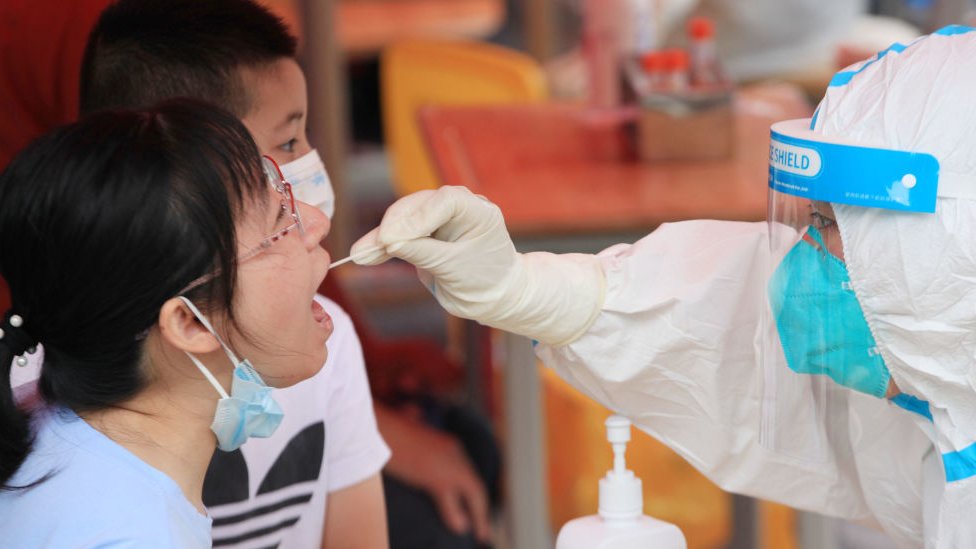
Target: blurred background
{"x":567,"y":102}
{"x":589,"y":123}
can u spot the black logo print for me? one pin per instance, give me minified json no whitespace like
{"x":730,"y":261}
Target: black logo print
{"x":227,"y":482}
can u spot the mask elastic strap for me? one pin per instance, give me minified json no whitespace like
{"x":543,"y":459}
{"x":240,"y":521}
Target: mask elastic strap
{"x":203,"y":369}
{"x":206,"y":373}
{"x":206,"y":324}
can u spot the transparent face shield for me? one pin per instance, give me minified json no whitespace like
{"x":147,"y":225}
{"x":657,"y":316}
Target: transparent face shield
{"x":817,"y":347}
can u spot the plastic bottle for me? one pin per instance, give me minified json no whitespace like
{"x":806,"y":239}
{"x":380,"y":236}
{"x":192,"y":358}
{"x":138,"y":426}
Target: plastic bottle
{"x":676,"y":68}
{"x":642,"y":20}
{"x":640,"y":37}
{"x":602,"y":51}
{"x":653,"y":64}
{"x":705,"y":68}
{"x":620,"y":523}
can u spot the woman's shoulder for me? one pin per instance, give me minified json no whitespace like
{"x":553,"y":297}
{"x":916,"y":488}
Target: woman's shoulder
{"x":88,"y":487}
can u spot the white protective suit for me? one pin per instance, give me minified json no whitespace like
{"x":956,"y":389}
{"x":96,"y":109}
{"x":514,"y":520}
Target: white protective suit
{"x":668,"y":331}
{"x":677,"y":349}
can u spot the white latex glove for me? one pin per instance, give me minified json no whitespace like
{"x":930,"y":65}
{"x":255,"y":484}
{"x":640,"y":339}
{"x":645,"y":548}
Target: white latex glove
{"x":463,"y":253}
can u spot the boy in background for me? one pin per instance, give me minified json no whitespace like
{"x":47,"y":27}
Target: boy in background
{"x":326,"y":456}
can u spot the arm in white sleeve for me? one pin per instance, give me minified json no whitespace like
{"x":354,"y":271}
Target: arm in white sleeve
{"x":676,"y":348}
{"x":669,"y":332}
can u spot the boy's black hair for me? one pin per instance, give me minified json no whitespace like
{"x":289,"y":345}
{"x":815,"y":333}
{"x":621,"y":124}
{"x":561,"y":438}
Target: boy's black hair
{"x":143,"y":51}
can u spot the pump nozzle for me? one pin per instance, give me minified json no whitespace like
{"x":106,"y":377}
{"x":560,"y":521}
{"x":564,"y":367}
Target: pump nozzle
{"x":621,"y":494}
{"x":618,"y":433}
{"x":621,"y":523}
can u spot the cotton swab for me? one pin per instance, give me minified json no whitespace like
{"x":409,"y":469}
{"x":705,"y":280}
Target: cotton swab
{"x":351,"y":257}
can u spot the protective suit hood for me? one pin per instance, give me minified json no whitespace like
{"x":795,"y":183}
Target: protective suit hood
{"x":915,"y":273}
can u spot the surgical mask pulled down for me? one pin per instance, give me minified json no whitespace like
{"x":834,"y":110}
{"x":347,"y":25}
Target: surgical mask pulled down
{"x":249,"y":410}
{"x":310,"y":182}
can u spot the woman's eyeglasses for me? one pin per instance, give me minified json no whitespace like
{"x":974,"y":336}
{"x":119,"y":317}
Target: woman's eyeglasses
{"x":288,"y":218}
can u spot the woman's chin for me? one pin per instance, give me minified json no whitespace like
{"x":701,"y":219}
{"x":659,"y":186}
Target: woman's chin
{"x":308,"y":369}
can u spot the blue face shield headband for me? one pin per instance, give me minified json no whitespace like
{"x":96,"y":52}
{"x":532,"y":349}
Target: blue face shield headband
{"x":806,"y":164}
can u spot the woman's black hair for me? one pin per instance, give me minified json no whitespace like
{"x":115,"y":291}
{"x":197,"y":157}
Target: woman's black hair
{"x":101,"y":222}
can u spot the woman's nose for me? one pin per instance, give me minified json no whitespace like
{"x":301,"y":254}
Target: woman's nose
{"x":316,"y":225}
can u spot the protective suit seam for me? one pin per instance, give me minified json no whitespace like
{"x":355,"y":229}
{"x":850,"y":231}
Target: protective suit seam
{"x":853,"y":272}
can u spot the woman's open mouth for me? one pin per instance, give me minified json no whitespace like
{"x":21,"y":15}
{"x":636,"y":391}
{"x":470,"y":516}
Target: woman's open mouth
{"x":320,"y":316}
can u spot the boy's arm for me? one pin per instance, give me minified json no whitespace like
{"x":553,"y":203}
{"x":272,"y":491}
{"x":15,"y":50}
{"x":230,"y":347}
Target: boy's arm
{"x":436,"y":462}
{"x":356,"y":517}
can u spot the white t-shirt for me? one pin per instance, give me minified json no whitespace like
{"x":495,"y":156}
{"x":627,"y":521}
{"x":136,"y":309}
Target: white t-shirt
{"x":72,"y":508}
{"x":273,"y":491}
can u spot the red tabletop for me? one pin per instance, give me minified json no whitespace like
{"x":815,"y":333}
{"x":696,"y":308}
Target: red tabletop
{"x":552,"y":172}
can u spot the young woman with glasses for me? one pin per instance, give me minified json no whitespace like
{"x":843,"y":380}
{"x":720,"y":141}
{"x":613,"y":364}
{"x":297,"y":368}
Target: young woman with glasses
{"x":168,"y":273}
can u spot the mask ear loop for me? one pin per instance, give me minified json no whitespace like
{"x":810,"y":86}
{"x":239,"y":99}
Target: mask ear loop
{"x":206,"y":373}
{"x":203,"y":369}
{"x":206,"y":324}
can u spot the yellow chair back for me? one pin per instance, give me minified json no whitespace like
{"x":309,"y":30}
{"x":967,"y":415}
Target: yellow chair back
{"x":415,"y":73}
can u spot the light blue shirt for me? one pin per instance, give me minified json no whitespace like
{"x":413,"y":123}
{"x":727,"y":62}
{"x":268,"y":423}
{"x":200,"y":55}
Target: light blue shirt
{"x":98,"y":494}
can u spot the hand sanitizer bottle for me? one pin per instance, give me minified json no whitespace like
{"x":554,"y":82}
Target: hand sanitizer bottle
{"x":620,"y":523}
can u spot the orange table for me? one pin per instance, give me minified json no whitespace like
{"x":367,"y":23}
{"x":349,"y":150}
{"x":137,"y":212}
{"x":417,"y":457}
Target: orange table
{"x":558,"y":177}
{"x":539,"y":164}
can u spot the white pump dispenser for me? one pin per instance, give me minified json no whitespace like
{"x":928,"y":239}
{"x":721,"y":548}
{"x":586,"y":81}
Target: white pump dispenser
{"x":620,"y":523}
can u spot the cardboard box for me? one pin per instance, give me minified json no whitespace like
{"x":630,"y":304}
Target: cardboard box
{"x":686,"y":126}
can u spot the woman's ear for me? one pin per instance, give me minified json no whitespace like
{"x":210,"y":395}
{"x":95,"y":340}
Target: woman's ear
{"x":180,"y":328}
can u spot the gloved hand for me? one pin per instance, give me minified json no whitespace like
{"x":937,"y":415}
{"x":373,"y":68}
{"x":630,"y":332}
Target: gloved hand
{"x":463,"y":253}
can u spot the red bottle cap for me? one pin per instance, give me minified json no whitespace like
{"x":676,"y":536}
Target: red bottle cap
{"x":701,"y":28}
{"x":653,"y":61}
{"x":676,"y":60}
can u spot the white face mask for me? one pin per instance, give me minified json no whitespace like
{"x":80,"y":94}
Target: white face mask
{"x":310,"y":182}
{"x":249,"y":410}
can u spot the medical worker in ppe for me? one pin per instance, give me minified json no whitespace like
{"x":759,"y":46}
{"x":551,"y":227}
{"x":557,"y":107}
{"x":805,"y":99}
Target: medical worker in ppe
{"x":824,"y":359}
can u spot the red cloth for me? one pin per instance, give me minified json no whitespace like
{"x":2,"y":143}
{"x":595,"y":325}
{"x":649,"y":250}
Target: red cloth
{"x":41,"y":46}
{"x":42,"y":43}
{"x":4,"y":297}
